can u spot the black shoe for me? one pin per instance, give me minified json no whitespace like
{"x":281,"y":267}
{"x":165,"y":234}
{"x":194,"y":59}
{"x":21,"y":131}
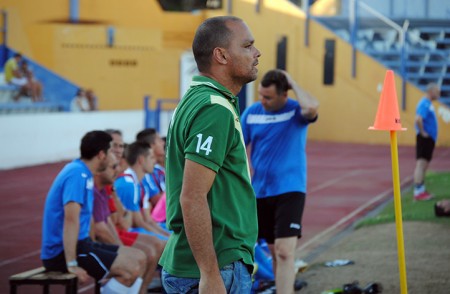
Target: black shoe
{"x":299,"y":284}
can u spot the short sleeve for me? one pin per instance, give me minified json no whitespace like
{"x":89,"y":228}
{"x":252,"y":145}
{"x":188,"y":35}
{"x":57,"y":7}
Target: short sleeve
{"x":149,"y":185}
{"x":127,"y":192}
{"x":245,"y":130}
{"x":209,"y":135}
{"x":422,"y":109}
{"x":71,"y":190}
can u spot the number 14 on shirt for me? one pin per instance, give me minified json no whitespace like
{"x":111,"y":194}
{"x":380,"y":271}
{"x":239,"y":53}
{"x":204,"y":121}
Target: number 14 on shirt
{"x":205,"y":145}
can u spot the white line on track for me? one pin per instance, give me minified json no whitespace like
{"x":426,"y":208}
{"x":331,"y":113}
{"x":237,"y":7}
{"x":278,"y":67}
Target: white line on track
{"x":18,"y":258}
{"x":349,"y":216}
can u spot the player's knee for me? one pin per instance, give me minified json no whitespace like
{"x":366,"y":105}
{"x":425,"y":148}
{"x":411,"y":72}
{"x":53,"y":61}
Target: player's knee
{"x":284,"y":252}
{"x":141,"y":257}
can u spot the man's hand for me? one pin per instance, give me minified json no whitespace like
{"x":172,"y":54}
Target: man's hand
{"x":425,"y":134}
{"x":82,"y":275}
{"x":212,"y":284}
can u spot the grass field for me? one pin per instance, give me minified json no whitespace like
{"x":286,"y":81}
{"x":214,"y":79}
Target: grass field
{"x":374,"y":249}
{"x":437,"y":184}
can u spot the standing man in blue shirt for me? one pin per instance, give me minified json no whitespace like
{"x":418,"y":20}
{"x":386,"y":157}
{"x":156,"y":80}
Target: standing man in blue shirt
{"x":426,"y":136}
{"x":275,"y":131}
{"x":66,"y":245}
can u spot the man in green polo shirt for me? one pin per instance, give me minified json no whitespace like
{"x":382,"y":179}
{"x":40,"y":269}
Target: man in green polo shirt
{"x":211,"y":206}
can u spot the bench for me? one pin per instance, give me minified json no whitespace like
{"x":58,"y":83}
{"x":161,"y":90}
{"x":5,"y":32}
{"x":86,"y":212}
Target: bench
{"x":7,"y":92}
{"x":39,"y":276}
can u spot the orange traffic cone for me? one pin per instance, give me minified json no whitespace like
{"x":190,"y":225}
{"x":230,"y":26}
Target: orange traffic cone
{"x":388,"y":117}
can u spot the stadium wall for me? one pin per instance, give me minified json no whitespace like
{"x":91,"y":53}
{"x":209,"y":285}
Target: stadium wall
{"x":30,"y":139}
{"x":148,"y":44}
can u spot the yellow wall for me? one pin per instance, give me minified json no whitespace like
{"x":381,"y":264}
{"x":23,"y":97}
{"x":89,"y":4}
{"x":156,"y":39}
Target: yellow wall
{"x":148,"y":44}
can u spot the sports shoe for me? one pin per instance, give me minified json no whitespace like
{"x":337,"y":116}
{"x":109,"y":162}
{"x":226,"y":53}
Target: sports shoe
{"x":423,"y":196}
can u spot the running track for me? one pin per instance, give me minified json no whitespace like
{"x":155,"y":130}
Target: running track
{"x":345,"y":181}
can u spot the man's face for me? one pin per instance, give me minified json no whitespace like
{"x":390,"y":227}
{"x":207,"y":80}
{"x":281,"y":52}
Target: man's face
{"x":105,"y":159}
{"x":158,"y":149}
{"x":242,"y":52}
{"x":149,"y":162}
{"x":434,"y":93}
{"x":108,"y":176}
{"x":117,"y":147}
{"x":270,"y":99}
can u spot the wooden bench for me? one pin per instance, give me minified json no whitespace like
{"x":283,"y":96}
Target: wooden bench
{"x":39,"y":276}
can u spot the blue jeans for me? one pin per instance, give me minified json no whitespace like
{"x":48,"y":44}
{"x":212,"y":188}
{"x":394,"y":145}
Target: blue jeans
{"x":235,"y":276}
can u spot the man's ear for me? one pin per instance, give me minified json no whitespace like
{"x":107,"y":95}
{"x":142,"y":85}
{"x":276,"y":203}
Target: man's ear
{"x":101,"y":155}
{"x":140,"y":159}
{"x":220,"y":55}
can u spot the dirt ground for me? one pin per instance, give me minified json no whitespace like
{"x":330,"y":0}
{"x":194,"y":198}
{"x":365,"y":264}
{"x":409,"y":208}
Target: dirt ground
{"x":374,"y":252}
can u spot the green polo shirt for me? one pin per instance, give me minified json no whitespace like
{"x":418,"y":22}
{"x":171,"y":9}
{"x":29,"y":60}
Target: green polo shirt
{"x":206,"y":129}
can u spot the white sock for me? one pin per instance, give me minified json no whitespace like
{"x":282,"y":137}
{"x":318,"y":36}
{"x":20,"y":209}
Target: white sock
{"x":418,"y":189}
{"x":136,"y":286}
{"x":114,"y":287}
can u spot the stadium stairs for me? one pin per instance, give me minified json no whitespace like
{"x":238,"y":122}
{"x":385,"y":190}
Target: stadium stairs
{"x":427,"y":50}
{"x":57,"y":94}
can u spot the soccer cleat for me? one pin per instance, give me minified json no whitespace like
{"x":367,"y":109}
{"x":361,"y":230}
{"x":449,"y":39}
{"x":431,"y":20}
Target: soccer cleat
{"x":423,"y":196}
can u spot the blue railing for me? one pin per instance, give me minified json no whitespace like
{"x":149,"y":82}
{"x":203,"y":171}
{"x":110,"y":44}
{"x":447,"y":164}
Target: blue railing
{"x":354,"y":7}
{"x":155,"y":118}
{"x":4,"y":31}
{"x":57,"y":90}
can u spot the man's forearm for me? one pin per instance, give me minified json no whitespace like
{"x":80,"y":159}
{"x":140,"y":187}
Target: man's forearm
{"x":198,"y":226}
{"x":103,"y":233}
{"x":112,"y":229}
{"x":70,"y":239}
{"x":139,"y":222}
{"x":156,"y":227}
{"x":419,"y":124}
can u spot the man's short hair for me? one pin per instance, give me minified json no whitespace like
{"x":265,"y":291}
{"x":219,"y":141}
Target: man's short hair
{"x":433,"y":86}
{"x":277,"y":78}
{"x":147,"y":135}
{"x":93,"y":142}
{"x":212,"y":33}
{"x":134,"y":150}
{"x":17,"y":55}
{"x":114,"y":132}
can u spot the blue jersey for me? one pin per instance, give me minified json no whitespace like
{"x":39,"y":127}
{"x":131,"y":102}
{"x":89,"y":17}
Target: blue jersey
{"x":159,"y":174}
{"x":130,"y":191}
{"x":426,"y":110}
{"x":73,"y":184}
{"x":150,"y":186}
{"x":278,"y":143}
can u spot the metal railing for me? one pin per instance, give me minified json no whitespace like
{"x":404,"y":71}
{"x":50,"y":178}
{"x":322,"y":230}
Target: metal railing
{"x":402,"y":31}
{"x":159,"y":117}
{"x":4,"y":32}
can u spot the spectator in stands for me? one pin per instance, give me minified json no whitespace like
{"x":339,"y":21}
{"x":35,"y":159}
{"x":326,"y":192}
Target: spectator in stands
{"x":210,"y":201}
{"x":426,"y":137}
{"x":34,"y":87}
{"x":80,"y":102}
{"x":66,"y":245}
{"x":14,"y":76}
{"x":92,"y":99}
{"x":134,"y":197}
{"x":275,"y":132}
{"x":105,"y":230}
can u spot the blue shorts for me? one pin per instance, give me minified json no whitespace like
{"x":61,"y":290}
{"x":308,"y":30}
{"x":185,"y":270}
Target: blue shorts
{"x":236,"y":278}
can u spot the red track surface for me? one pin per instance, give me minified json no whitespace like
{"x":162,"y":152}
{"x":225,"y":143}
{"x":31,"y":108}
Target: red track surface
{"x":344,"y":182}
